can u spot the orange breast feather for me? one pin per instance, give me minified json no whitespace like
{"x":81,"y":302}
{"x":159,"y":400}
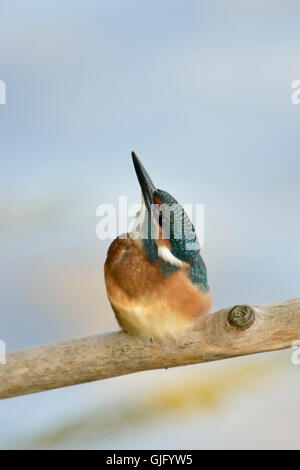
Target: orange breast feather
{"x":145,"y":302}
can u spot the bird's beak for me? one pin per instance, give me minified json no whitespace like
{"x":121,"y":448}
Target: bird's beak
{"x":146,"y":184}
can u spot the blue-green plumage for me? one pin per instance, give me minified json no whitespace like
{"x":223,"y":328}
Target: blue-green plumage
{"x":179,"y":230}
{"x":166,"y":269}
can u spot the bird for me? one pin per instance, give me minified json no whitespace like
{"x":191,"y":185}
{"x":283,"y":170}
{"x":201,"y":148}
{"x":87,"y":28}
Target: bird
{"x":156,"y":279}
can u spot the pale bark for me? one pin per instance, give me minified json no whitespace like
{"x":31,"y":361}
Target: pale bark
{"x":220,"y":335}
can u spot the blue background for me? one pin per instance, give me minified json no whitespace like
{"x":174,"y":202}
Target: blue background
{"x":202,"y":91}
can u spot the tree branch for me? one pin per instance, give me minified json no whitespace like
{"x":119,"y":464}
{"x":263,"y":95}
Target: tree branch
{"x":230,"y":332}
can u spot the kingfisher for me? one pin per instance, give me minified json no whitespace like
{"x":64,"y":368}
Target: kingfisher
{"x":156,"y":279}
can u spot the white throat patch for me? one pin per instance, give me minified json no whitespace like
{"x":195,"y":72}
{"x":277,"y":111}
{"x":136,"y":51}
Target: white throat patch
{"x":165,"y":254}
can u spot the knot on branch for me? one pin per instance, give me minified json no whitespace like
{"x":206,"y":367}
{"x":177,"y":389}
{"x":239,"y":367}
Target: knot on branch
{"x":241,"y":317}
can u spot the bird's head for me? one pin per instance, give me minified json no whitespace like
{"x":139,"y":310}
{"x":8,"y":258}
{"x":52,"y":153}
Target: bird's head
{"x":162,"y":224}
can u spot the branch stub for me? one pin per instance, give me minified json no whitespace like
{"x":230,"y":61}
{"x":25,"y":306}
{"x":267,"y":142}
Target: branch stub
{"x":241,"y":317}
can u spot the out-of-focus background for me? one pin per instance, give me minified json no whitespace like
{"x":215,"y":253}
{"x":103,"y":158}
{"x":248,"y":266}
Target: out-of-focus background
{"x":202,"y":91}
